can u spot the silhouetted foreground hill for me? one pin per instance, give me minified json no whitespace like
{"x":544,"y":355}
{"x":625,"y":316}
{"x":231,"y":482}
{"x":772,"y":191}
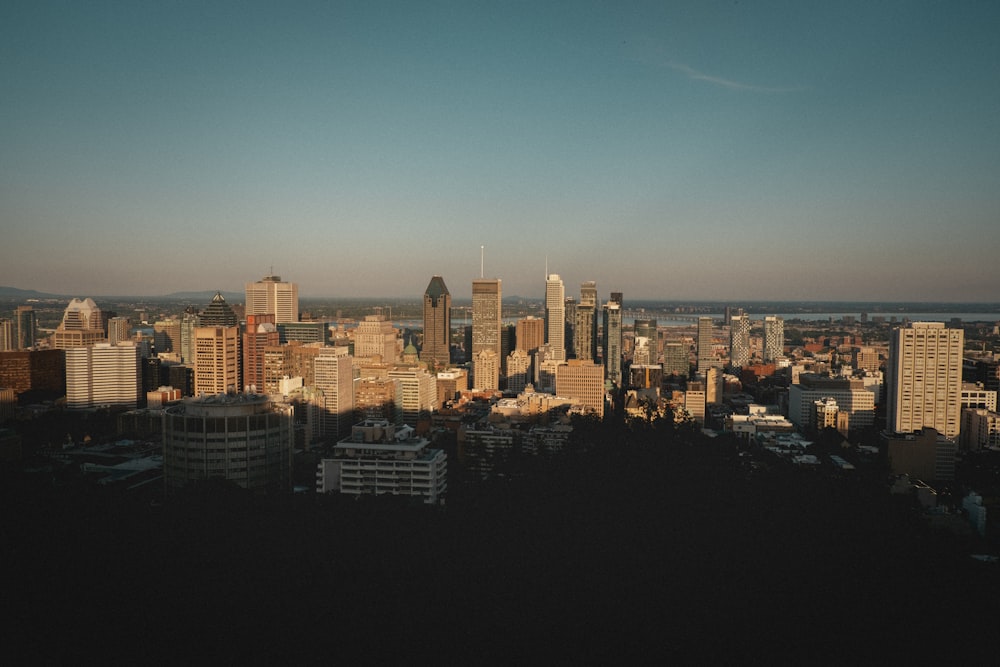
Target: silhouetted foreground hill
{"x":621,"y":554}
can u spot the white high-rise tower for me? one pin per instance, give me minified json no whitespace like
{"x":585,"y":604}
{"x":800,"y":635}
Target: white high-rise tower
{"x":555,"y":316}
{"x":924,"y":378}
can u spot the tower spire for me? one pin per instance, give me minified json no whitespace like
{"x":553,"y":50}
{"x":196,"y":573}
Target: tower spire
{"x":482,"y":260}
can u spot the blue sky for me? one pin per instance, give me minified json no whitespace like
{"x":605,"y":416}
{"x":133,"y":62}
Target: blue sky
{"x":674,"y":150}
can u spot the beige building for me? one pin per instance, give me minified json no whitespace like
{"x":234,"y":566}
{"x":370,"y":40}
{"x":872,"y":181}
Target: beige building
{"x":924,"y":378}
{"x":486,"y":370}
{"x":486,"y":318}
{"x":334,"y":376}
{"x":270,"y":295}
{"x":582,"y":380}
{"x":82,"y":325}
{"x":216,"y":360}
{"x":374,"y":338}
{"x":530,"y":334}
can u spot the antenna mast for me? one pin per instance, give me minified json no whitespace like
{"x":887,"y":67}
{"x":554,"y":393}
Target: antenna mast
{"x":482,"y":259}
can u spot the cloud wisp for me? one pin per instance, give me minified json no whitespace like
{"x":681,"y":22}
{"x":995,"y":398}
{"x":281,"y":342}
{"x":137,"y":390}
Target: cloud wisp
{"x":692,"y":73}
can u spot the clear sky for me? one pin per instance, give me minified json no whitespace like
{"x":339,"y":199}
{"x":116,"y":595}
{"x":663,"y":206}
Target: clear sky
{"x":675,"y":150}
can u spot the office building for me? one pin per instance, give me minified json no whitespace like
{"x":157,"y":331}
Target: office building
{"x":585,"y":331}
{"x":706,"y":345}
{"x":304,"y":332}
{"x":739,"y":341}
{"x":555,"y":317}
{"x":676,"y":359}
{"x":922,"y":454}
{"x":166,"y":335}
{"x":243,"y":438}
{"x":375,"y":338}
{"x":380,"y":458}
{"x":334,"y":376}
{"x":569,"y":330}
{"x":583,"y":381}
{"x":529,"y":334}
{"x":8,"y":340}
{"x":612,"y":342}
{"x":518,"y":371}
{"x":190,"y":320}
{"x":486,"y":319}
{"x":27,"y":327}
{"x":216,"y":360}
{"x":33,"y":370}
{"x":850,"y":395}
{"x":377,"y":398}
{"x":218,"y":313}
{"x":436,"y":350}
{"x":260,"y":334}
{"x":418,"y":394}
{"x":82,"y":325}
{"x":270,"y":295}
{"x":774,"y":338}
{"x":103,"y":375}
{"x":120,"y":331}
{"x":451,"y":384}
{"x":924,"y":378}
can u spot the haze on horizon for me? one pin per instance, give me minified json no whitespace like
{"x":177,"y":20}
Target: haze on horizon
{"x":683,"y":150}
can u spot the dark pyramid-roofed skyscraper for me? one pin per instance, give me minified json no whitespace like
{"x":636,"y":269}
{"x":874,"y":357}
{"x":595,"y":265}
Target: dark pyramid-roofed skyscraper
{"x":218,"y":313}
{"x":437,"y":324}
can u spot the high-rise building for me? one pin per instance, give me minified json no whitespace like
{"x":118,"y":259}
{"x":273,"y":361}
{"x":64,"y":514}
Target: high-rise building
{"x":103,"y":375}
{"x":271,"y":295}
{"x":436,"y":351}
{"x":81,"y":325}
{"x":646,"y":328}
{"x":774,"y":338}
{"x":739,"y":341}
{"x":676,"y":360}
{"x":33,"y":370}
{"x":486,"y":318}
{"x":27,"y":325}
{"x":218,"y":313}
{"x":120,"y":331}
{"x":530,"y":334}
{"x":189,"y":321}
{"x":555,"y":317}
{"x":585,"y":332}
{"x":166,"y":336}
{"x":706,"y":352}
{"x":216,"y":360}
{"x":375,"y":337}
{"x":334,"y":376}
{"x":612,"y":342}
{"x":261,"y":332}
{"x":569,"y":337}
{"x":418,"y":394}
{"x":486,"y":370}
{"x":518,"y":370}
{"x":924,"y":378}
{"x":7,"y":337}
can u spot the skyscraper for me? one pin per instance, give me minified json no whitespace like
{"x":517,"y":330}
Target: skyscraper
{"x":216,"y":360}
{"x":261,"y":332}
{"x":120,"y":330}
{"x":81,"y":325}
{"x":706,"y":354}
{"x":103,"y":375}
{"x":774,"y":337}
{"x":486,"y":317}
{"x":26,"y":324}
{"x":334,"y":376}
{"x":218,"y":313}
{"x":375,"y":337}
{"x":436,"y":350}
{"x":924,"y":378}
{"x":612,"y":347}
{"x":555,"y":317}
{"x":739,"y":341}
{"x":647,"y":328}
{"x":271,"y":295}
{"x":585,"y":332}
{"x":7,"y":338}
{"x":530,"y":334}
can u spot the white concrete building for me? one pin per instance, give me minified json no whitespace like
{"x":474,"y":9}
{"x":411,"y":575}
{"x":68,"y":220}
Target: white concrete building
{"x":377,"y":458}
{"x":103,"y":375}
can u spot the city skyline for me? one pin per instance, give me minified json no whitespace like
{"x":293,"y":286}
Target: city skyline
{"x":677,"y":150}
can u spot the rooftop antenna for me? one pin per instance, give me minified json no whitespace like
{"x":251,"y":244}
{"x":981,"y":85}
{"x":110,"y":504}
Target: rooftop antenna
{"x":482,"y":259}
{"x":546,"y":267}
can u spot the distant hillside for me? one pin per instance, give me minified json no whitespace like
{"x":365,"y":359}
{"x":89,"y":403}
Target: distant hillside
{"x":16,"y":293}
